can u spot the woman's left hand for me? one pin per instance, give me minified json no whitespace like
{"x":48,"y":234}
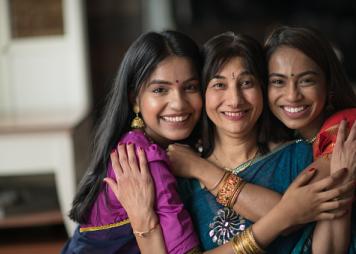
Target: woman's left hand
{"x":134,"y":186}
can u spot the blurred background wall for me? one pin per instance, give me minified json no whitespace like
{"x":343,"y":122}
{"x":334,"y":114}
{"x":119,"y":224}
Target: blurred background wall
{"x":58,"y":59}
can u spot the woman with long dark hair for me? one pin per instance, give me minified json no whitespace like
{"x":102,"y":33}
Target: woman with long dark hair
{"x":155,"y":100}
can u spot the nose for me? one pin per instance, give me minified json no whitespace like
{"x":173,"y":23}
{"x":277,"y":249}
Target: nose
{"x":177,"y":100}
{"x":234,"y":97}
{"x":292,"y":92}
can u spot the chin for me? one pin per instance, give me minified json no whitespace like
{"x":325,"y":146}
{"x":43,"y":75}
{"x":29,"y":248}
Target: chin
{"x":177,"y":136}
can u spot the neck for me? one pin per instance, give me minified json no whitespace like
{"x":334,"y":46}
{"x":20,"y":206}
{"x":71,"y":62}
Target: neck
{"x":233,"y":151}
{"x":309,"y":132}
{"x":162,"y":142}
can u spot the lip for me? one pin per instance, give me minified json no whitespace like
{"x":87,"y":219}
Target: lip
{"x":234,"y":115}
{"x":294,"y":111}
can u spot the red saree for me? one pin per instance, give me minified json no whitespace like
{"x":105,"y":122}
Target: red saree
{"x":326,"y":138}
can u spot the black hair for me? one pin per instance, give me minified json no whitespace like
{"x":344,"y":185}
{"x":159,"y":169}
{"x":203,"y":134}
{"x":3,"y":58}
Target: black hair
{"x":140,"y":60}
{"x":218,"y":51}
{"x":340,"y":94}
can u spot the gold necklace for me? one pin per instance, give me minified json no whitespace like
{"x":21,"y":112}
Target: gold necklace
{"x":239,"y":168}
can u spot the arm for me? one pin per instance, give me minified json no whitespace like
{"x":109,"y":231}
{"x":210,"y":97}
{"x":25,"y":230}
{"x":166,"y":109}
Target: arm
{"x":253,"y":202}
{"x":333,"y":236}
{"x":134,"y":189}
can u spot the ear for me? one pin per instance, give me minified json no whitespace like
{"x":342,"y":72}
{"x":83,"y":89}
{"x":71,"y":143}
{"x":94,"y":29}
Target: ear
{"x":134,"y":101}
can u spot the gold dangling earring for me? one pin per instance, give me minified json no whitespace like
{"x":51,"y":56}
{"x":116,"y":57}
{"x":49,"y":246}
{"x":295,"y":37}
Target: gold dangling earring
{"x":137,"y":122}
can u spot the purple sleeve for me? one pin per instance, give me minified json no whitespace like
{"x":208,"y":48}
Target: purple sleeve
{"x":175,"y":221}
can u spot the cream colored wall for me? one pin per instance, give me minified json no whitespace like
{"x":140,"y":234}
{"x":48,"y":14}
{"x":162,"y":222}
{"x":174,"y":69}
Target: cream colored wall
{"x":45,"y":73}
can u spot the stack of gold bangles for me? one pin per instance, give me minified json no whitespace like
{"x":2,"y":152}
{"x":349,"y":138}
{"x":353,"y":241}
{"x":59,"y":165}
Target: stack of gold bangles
{"x":245,"y":243}
{"x":230,"y":190}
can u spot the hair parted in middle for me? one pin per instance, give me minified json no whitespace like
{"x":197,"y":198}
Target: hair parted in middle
{"x":216,"y":52}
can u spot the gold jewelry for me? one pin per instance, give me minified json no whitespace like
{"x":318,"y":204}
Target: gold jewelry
{"x":137,"y":122}
{"x":227,"y":193}
{"x":245,"y":243}
{"x":217,"y":183}
{"x":142,"y":234}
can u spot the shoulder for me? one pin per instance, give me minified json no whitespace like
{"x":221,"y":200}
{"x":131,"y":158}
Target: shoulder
{"x":346,"y":114}
{"x":326,"y":138}
{"x":293,"y":147}
{"x":152,"y":150}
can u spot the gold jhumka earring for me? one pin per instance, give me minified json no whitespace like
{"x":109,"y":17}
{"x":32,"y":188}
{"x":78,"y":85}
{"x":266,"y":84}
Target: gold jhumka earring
{"x":137,"y":122}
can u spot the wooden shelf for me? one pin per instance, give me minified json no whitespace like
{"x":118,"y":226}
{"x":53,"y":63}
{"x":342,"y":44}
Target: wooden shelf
{"x":52,"y":217}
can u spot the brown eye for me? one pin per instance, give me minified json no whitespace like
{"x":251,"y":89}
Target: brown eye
{"x":219,"y":85}
{"x":276,"y":82}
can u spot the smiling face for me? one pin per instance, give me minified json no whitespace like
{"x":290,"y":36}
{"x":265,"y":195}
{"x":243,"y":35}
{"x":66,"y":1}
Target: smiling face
{"x":170,"y":102}
{"x":296,"y":90}
{"x":234,"y":99}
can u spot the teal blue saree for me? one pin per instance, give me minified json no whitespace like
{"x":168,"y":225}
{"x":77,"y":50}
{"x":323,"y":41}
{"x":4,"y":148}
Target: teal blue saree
{"x":216,"y":224}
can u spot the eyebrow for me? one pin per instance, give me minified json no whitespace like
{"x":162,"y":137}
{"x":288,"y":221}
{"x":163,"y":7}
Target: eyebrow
{"x":165,"y":82}
{"x":273,"y":74}
{"x":217,"y":76}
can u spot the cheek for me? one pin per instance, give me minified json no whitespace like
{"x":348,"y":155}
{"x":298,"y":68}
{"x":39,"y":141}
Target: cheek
{"x":211,"y":101}
{"x":149,"y":106}
{"x":257,"y":100}
{"x":273,"y":94}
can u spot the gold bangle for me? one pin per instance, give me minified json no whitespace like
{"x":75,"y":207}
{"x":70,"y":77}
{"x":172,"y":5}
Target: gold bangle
{"x":230,"y":187}
{"x":143,"y":234}
{"x":217,"y":183}
{"x":245,"y":243}
{"x":253,"y":242}
{"x":236,"y":194}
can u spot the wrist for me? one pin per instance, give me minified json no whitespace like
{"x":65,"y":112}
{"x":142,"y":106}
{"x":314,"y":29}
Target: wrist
{"x":285,"y":221}
{"x":145,"y":222}
{"x":198,"y":168}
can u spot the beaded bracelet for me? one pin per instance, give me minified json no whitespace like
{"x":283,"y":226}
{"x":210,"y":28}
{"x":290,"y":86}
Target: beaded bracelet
{"x":229,"y":191}
{"x":142,"y":234}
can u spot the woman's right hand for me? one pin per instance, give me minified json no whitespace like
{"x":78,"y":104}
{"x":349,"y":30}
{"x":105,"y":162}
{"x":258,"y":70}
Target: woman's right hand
{"x":303,"y":202}
{"x":134,"y":186}
{"x":344,"y":152}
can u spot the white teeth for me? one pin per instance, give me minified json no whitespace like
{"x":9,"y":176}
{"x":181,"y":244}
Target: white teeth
{"x":233,"y":113}
{"x":294,"y":109}
{"x":175,"y":119}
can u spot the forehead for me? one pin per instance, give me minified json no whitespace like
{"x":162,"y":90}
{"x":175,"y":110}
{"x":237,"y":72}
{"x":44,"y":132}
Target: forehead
{"x":174,"y":67}
{"x":291,"y":60}
{"x":236,"y":64}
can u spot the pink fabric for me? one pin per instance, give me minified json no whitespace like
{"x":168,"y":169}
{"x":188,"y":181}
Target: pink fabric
{"x":175,"y":221}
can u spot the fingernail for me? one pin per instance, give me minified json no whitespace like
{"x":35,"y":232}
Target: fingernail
{"x":138,"y":148}
{"x":311,"y":169}
{"x":113,"y":151}
{"x":120,"y":144}
{"x":129,"y":143}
